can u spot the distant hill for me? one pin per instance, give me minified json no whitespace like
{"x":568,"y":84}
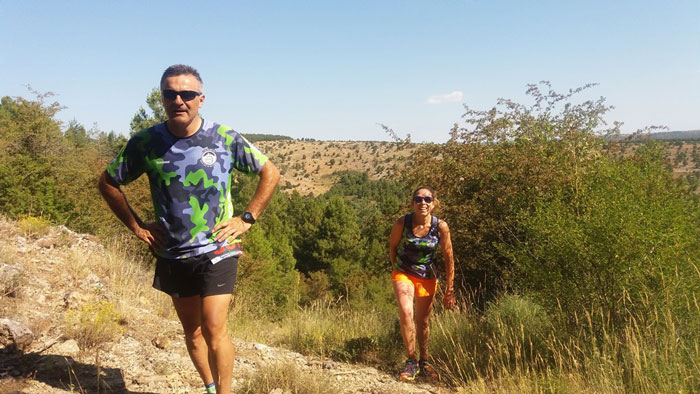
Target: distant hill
{"x":688,"y":135}
{"x":252,"y":137}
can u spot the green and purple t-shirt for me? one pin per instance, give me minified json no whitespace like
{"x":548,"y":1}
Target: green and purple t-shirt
{"x":190,"y":180}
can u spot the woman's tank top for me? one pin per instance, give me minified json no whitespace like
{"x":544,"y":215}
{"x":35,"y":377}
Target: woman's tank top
{"x":414,"y":255}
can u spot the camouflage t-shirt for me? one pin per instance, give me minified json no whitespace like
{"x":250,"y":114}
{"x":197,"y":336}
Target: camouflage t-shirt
{"x":190,"y":180}
{"x":414,"y":255}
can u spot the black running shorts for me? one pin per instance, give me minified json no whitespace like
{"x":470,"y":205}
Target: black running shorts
{"x":195,"y":276}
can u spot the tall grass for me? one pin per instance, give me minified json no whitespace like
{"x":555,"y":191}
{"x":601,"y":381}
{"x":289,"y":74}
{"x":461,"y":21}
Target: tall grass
{"x":506,"y":350}
{"x":326,"y":329}
{"x":334,"y":330}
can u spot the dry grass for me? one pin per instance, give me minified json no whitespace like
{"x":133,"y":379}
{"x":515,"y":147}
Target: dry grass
{"x":287,"y":377}
{"x":113,"y":284}
{"x":245,"y":321}
{"x":316,"y":330}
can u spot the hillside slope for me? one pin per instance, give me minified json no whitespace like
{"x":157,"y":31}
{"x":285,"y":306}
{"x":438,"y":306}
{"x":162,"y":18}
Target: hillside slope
{"x":308,"y":166}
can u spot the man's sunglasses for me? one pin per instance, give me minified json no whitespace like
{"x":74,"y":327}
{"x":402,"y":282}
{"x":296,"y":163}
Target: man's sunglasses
{"x":420,"y":199}
{"x":185,"y":95}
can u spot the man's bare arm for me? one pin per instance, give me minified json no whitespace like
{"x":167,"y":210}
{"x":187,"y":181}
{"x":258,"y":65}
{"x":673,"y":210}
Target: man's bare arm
{"x":151,"y":233}
{"x":269,"y":178}
{"x":234,"y":227}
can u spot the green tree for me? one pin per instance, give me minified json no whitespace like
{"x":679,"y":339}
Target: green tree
{"x":267,"y":270}
{"x":109,"y":144}
{"x":32,"y":151}
{"x":143,"y":119}
{"x":77,"y":135}
{"x":337,"y":245}
{"x":49,"y":173}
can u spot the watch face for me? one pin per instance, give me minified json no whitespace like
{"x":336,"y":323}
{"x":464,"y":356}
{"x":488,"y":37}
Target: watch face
{"x":248,"y":218}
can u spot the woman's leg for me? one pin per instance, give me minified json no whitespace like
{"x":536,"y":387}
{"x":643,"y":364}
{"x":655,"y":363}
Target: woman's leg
{"x":424,"y":307}
{"x":403,"y":290}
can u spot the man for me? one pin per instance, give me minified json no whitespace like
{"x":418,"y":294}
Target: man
{"x":189,"y":162}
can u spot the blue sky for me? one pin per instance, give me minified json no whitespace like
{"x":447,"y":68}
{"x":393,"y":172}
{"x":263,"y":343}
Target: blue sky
{"x":334,"y":70}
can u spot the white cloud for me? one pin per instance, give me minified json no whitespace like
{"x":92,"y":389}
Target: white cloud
{"x":455,"y":96}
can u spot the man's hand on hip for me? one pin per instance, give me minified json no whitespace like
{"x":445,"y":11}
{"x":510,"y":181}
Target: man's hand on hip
{"x":233,"y":227}
{"x":153,"y":234}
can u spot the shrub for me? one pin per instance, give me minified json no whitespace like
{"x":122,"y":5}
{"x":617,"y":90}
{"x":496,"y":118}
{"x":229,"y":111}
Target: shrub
{"x":313,"y":288}
{"x":618,"y":243}
{"x":94,"y":324}
{"x":34,"y":227}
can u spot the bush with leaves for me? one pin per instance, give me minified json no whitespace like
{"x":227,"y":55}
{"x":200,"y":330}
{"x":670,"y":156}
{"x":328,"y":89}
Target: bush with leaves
{"x":499,"y":164}
{"x":622,"y":242}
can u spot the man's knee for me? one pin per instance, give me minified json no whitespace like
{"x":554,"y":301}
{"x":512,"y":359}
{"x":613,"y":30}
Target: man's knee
{"x":214,"y":329}
{"x":195,"y":338}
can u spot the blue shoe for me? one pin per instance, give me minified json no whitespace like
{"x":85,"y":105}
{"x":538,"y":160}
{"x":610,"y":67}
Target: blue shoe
{"x":410,"y":371}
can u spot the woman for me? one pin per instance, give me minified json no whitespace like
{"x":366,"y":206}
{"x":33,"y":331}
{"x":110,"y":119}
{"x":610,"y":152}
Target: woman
{"x":412,"y":245}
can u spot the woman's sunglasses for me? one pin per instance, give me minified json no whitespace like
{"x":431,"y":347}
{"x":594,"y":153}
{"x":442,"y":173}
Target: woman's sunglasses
{"x":420,"y":199}
{"x":185,"y":95}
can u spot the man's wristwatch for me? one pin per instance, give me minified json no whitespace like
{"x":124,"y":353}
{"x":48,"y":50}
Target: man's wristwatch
{"x":248,"y":217}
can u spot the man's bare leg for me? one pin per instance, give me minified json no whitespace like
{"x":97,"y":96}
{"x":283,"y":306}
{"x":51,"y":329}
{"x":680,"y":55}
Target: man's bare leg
{"x":215,"y":332}
{"x":189,"y":311}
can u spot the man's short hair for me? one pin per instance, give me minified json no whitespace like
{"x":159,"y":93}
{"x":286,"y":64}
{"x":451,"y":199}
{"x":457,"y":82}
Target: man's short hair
{"x":180,"y":69}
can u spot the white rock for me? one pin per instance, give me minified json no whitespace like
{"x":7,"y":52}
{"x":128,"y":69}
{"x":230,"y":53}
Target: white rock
{"x":69,"y":347}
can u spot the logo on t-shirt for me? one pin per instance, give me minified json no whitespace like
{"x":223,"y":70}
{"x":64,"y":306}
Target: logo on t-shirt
{"x":208,"y":157}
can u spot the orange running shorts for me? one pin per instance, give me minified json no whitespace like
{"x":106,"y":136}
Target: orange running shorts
{"x":423,"y":287}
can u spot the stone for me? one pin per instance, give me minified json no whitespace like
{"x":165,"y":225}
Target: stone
{"x":47,"y":242}
{"x":14,"y":336}
{"x":10,"y":279}
{"x":95,"y":282}
{"x":73,"y":299}
{"x":69,"y":347}
{"x":161,"y":342}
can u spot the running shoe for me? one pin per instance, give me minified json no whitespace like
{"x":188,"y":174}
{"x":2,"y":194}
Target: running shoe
{"x":410,"y":371}
{"x":427,"y":370}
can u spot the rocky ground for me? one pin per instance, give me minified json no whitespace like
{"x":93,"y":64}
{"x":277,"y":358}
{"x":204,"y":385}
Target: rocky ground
{"x":47,"y":276}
